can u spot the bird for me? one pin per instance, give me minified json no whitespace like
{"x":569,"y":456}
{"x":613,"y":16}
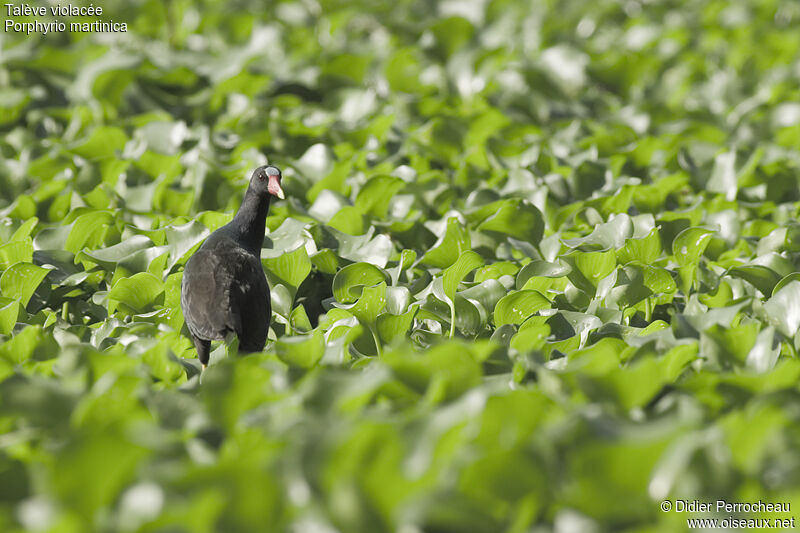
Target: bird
{"x":224,"y":289}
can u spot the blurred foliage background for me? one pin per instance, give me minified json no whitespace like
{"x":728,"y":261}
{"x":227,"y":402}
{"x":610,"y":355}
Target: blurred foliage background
{"x":537,"y":269}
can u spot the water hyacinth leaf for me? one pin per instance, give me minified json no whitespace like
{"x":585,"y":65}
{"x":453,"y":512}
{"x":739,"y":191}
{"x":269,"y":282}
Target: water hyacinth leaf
{"x":349,"y":220}
{"x":588,"y":268}
{"x":470,"y":317}
{"x":455,"y":273}
{"x":783,"y":309}
{"x":282,"y":299}
{"x":182,"y":239}
{"x":9,"y":313}
{"x":367,"y":309}
{"x":630,"y":287}
{"x":397,"y":300}
{"x":530,"y":338}
{"x":23,"y":232}
{"x":407,"y":258}
{"x":102,"y":143}
{"x":765,"y":352}
{"x":721,"y":296}
{"x":20,"y":280}
{"x":611,"y":234}
{"x":794,"y":276}
{"x":20,"y":251}
{"x":723,"y":176}
{"x":374,"y":197}
{"x":690,"y":244}
{"x":289,"y":269}
{"x":637,"y":384}
{"x":288,"y":236}
{"x":449,"y":247}
{"x":370,"y":304}
{"x":658,"y":280}
{"x":85,"y":227}
{"x":299,"y":319}
{"x":645,"y":250}
{"x":402,"y":71}
{"x":375,"y":250}
{"x":350,"y":281}
{"x":316,"y":162}
{"x":702,"y":320}
{"x":486,"y":294}
{"x":450,"y":368}
{"x":729,"y":347}
{"x":301,"y":351}
{"x":517,"y":306}
{"x":762,"y":278}
{"x":326,"y":261}
{"x":517,"y":219}
{"x":109,"y":257}
{"x":392,"y":326}
{"x":541,"y":269}
{"x":138,"y":292}
{"x":496,"y":270}
{"x":451,"y":33}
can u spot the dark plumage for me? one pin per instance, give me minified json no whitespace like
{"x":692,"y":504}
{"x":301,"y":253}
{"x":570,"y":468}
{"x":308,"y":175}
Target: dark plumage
{"x":224,"y":289}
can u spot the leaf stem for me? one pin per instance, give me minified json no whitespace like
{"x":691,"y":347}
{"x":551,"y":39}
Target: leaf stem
{"x":377,"y":341}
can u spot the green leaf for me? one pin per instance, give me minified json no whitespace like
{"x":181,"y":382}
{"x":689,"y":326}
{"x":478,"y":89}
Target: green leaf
{"x":104,"y":142}
{"x":370,"y":304}
{"x":138,"y":292}
{"x":301,"y":351}
{"x":407,"y":258}
{"x":794,"y":276}
{"x":87,"y":230}
{"x":110,"y":257}
{"x":541,"y":269}
{"x":392,"y":326}
{"x":588,"y":268}
{"x":783,"y":309}
{"x":367,"y":309}
{"x":690,"y":244}
{"x":326,"y":261}
{"x":645,"y":250}
{"x":23,"y":232}
{"x":374,"y":197}
{"x":762,"y":278}
{"x":496,"y":270}
{"x":10,"y":310}
{"x":516,"y":219}
{"x":723,"y":176}
{"x":451,"y":33}
{"x":530,"y":338}
{"x":517,"y":306}
{"x":449,"y":247}
{"x":289,"y":269}
{"x":20,"y":281}
{"x":455,"y":273}
{"x":20,"y":251}
{"x":350,"y":281}
{"x":348,"y":220}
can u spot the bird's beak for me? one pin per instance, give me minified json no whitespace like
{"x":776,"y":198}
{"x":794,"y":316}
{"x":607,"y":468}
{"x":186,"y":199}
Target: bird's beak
{"x":274,"y":188}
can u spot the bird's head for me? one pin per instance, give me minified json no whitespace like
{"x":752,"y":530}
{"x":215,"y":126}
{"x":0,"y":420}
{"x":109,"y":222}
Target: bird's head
{"x":268,"y":179}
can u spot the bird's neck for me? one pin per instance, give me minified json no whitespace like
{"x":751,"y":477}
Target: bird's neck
{"x":250,"y":220}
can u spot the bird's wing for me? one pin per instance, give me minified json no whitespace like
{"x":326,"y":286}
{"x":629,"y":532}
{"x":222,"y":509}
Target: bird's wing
{"x":250,"y":303}
{"x":205,"y":293}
